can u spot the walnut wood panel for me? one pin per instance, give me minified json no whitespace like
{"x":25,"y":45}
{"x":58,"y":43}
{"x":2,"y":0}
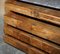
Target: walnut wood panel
{"x":35,"y":11}
{"x":22,"y":46}
{"x":38,"y":28}
{"x":32,"y":40}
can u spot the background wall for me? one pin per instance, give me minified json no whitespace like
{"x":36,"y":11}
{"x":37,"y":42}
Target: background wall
{"x":1,"y":7}
{"x":1,"y":16}
{"x":5,"y":48}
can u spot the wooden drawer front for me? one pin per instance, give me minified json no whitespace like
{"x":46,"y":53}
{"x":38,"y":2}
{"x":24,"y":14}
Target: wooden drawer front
{"x":35,"y":11}
{"x":22,"y":46}
{"x":32,"y":40}
{"x":38,"y":28}
{"x":31,"y":28}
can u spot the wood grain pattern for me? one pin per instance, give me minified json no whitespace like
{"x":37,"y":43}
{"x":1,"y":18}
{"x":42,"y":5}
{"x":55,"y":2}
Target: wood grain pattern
{"x":25,"y":30}
{"x":22,"y":46}
{"x":32,"y":40}
{"x":38,"y":28}
{"x":35,"y":11}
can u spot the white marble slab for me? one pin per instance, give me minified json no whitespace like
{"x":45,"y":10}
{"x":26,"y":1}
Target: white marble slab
{"x":49,"y":3}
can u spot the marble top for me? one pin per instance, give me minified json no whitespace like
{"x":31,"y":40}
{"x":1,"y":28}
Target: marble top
{"x":48,"y":3}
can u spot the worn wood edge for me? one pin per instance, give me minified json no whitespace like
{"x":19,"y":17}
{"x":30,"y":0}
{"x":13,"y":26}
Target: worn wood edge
{"x":24,"y":47}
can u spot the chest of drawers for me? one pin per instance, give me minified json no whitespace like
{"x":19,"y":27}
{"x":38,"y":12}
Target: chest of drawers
{"x":31,"y":28}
